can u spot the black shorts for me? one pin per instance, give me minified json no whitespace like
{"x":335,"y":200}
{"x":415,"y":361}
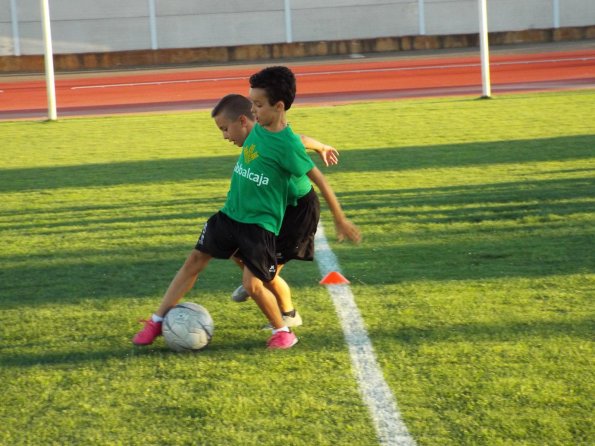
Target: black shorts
{"x":222,"y":237}
{"x":296,"y":238}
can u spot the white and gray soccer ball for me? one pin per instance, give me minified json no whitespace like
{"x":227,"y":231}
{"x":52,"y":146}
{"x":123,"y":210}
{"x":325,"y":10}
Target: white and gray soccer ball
{"x":188,"y":327}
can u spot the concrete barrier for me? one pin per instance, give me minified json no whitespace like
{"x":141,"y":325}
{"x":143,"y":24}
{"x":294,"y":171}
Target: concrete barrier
{"x":280,"y":51}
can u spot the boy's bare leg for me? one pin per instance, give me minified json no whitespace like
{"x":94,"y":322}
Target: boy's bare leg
{"x":282,"y":337}
{"x":265,"y":300}
{"x":279,"y":287}
{"x":184,"y":280}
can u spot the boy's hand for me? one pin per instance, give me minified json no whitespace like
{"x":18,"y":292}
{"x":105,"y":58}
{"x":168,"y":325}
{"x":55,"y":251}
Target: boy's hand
{"x":329,"y":155}
{"x":347,"y":229}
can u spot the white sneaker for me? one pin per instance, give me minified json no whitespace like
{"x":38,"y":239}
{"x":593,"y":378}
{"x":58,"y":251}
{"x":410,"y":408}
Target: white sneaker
{"x":240,"y":294}
{"x":295,"y":321}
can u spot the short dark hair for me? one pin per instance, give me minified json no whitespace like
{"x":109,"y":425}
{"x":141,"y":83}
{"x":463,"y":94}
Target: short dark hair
{"x":233,"y":106}
{"x":278,"y":82}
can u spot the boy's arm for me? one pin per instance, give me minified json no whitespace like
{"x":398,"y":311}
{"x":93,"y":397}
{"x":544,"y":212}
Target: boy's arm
{"x":329,"y":155}
{"x":343,"y":226}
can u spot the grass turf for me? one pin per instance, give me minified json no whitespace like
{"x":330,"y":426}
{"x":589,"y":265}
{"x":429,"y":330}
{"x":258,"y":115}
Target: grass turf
{"x":475,"y":279}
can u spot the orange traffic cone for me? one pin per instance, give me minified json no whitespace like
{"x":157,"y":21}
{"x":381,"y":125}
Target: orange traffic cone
{"x":334,"y":278}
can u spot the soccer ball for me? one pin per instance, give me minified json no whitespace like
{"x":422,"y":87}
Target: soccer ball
{"x":188,"y":327}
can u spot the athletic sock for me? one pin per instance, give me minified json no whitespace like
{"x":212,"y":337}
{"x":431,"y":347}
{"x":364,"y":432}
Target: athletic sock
{"x":290,"y":313}
{"x":156,"y":318}
{"x":277,"y":330}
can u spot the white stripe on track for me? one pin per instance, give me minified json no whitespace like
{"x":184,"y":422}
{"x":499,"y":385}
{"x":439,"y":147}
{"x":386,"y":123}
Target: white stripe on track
{"x":445,"y":66}
{"x":377,"y":395}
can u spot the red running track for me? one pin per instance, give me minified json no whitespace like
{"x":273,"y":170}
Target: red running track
{"x":328,"y":82}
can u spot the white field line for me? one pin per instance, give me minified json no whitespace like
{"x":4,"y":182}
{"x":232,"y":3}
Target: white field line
{"x":390,"y":428}
{"x":327,"y":73}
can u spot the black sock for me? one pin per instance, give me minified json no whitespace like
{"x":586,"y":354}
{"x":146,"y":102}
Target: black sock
{"x":290,"y":313}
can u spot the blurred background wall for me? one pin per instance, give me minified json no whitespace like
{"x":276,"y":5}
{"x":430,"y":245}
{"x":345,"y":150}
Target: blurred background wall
{"x":92,"y":26}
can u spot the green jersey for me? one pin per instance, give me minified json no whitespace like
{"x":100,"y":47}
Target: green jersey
{"x":299,"y":187}
{"x":259,"y":187}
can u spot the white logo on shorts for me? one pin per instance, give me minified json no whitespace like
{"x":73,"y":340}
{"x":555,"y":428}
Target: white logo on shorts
{"x":201,"y":239}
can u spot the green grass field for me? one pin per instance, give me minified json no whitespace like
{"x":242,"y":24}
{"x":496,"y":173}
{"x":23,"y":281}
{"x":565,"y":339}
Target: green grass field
{"x":475,"y":280}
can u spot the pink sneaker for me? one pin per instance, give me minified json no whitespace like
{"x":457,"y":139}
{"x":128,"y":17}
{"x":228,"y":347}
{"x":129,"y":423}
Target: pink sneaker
{"x":282,"y":340}
{"x":148,"y":333}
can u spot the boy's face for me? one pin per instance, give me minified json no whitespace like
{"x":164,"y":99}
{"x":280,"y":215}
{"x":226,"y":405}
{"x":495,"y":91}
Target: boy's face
{"x":234,"y":131}
{"x":263,"y":111}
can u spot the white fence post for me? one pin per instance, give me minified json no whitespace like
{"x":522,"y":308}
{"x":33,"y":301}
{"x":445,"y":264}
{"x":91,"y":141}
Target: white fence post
{"x":556,"y":11}
{"x":288,"y":30}
{"x":484,"y":48}
{"x":14,"y":18}
{"x":152,"y":24}
{"x":421,"y":17}
{"x":49,"y":60}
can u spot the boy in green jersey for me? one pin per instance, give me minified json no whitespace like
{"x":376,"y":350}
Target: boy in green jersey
{"x":233,"y":116}
{"x":252,"y":215}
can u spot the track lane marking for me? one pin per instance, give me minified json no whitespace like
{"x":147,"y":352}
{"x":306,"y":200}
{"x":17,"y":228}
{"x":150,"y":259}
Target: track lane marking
{"x":340,"y":72}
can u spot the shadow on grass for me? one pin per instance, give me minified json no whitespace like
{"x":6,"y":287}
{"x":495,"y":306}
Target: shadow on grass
{"x":60,"y":279}
{"x":476,"y":203}
{"x":542,"y":243}
{"x":447,"y":253}
{"x":489,"y":332}
{"x":470,"y":332}
{"x":72,"y":282}
{"x":127,"y":353}
{"x":468,"y":155}
{"x":82,"y":218}
{"x":117,"y":173}
{"x":514,"y":229}
{"x":75,"y":357}
{"x":520,"y":251}
{"x":500,"y":256}
{"x":364,"y":160}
